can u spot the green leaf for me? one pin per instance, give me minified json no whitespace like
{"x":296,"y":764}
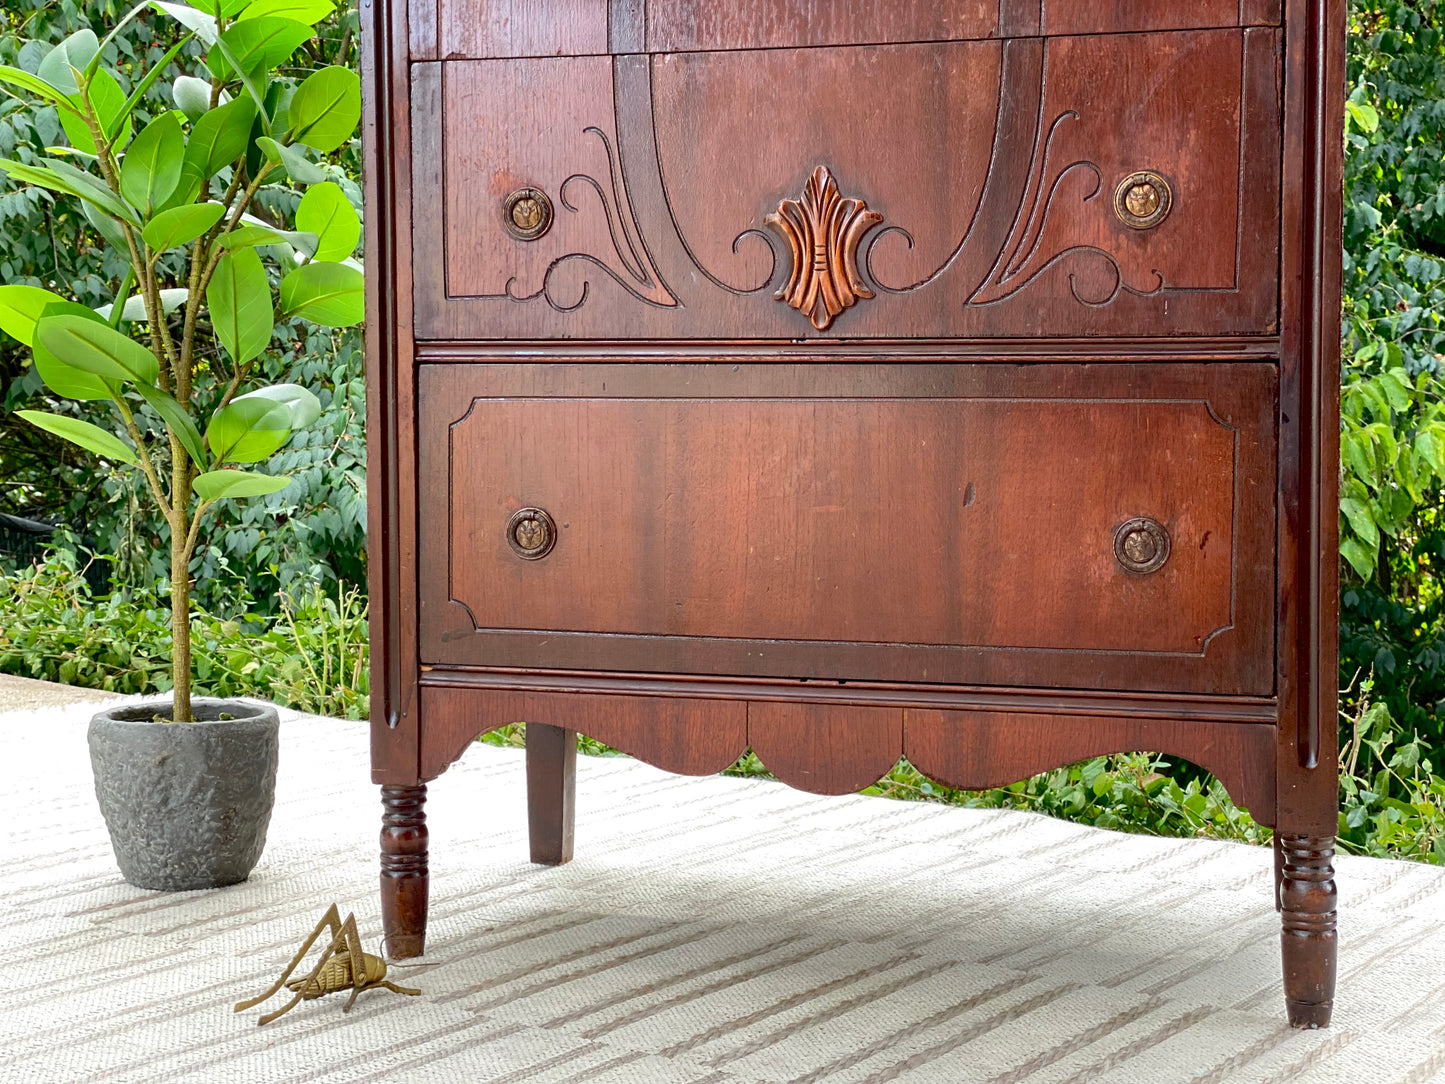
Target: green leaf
{"x":1430,"y":446}
{"x":304,"y":408}
{"x":278,"y":103}
{"x":250,"y":236}
{"x":61,"y":176}
{"x":1360,"y":558}
{"x":21,"y":306}
{"x":191,"y":95}
{"x":1359,"y":455}
{"x":33,"y":84}
{"x":90,"y":187}
{"x":326,"y":212}
{"x":151,"y":169}
{"x":75,"y":52}
{"x":257,"y":45}
{"x":306,"y":11}
{"x":248,"y":430}
{"x":179,"y":421}
{"x":90,"y":437}
{"x":1384,"y":439}
{"x":181,"y":225}
{"x":220,"y":137}
{"x":1366,"y":118}
{"x":257,"y":91}
{"x":108,"y":101}
{"x":139,"y":90}
{"x":1361,"y":519}
{"x":297,"y":166}
{"x":134,"y":308}
{"x":188,"y":190}
{"x":329,"y":294}
{"x":107,"y":227}
{"x":214,"y":485}
{"x":239,"y":297}
{"x":1396,"y":391}
{"x":63,"y":378}
{"x":96,"y":347}
{"x":198,"y":22}
{"x":326,"y":108}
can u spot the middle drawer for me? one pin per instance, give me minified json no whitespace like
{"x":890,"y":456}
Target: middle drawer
{"x":1051,"y":525}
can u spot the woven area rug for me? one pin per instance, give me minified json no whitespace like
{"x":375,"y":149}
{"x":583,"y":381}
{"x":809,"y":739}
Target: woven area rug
{"x":710,"y":931}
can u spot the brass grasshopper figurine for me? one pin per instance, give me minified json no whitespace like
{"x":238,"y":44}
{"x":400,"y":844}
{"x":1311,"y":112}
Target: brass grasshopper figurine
{"x":342,"y":966}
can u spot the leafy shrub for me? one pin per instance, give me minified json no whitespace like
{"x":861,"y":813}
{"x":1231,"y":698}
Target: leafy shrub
{"x":312,"y":657}
{"x":1393,"y":411}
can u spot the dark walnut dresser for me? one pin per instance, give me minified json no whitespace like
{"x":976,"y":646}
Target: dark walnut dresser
{"x":856,"y":379}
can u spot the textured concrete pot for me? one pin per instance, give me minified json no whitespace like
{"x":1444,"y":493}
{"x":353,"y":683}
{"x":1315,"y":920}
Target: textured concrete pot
{"x":187,"y":804}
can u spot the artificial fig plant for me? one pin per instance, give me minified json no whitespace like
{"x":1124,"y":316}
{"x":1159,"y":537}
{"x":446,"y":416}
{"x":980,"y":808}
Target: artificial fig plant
{"x":177,"y":195}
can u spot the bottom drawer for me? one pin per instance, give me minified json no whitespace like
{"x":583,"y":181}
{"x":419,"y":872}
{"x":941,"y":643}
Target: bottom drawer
{"x":1093,"y":526}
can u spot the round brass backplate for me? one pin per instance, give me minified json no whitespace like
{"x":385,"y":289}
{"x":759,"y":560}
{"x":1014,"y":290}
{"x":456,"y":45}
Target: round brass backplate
{"x":1143,"y":200}
{"x":527,"y":213}
{"x":531,"y":533}
{"x":1141,"y":545}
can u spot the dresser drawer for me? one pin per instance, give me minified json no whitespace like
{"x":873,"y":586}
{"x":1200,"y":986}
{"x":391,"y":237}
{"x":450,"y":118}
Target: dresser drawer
{"x":1030,"y":524}
{"x":929,"y":190}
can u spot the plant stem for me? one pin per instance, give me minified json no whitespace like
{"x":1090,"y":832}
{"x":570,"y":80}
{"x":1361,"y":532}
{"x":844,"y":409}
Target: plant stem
{"x":180,"y":625}
{"x":147,"y":466}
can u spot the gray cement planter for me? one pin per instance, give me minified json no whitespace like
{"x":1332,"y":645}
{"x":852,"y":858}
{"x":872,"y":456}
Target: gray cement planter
{"x":187,"y":804}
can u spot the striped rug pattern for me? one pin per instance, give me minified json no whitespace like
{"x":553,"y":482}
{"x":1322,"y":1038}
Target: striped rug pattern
{"x":710,"y":931}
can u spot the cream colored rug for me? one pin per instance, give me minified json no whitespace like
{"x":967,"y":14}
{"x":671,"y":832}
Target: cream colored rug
{"x":710,"y":931}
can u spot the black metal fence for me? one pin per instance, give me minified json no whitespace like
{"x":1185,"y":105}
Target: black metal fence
{"x":26,"y":541}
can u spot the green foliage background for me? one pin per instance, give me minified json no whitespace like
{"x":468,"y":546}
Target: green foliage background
{"x":314,"y":529}
{"x":1392,"y":472}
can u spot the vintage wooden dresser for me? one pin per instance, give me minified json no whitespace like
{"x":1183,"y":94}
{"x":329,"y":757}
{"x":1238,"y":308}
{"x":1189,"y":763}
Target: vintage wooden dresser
{"x":848,"y":379}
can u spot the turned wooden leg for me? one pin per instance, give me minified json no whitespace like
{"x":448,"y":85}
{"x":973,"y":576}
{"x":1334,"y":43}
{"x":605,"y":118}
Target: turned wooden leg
{"x":404,"y":870}
{"x":551,"y":792}
{"x":1278,"y":870}
{"x":1309,"y":941}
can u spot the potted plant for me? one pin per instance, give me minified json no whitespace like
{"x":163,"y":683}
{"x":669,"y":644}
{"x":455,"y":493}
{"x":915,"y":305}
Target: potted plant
{"x":185,"y":784}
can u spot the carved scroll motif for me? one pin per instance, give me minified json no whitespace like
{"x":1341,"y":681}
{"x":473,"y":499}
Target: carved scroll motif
{"x":823,"y":230}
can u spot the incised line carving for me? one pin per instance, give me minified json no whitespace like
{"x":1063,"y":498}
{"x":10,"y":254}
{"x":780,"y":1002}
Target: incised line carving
{"x":823,"y":230}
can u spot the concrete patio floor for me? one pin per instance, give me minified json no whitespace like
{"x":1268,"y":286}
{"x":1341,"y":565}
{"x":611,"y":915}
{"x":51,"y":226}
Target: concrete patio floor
{"x":710,"y":931}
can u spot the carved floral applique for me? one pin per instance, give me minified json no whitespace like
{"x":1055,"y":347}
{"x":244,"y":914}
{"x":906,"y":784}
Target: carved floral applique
{"x":823,"y":230}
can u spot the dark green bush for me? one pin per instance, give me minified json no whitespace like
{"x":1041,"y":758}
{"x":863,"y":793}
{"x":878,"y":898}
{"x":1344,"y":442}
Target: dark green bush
{"x":312,"y":656}
{"x":1393,"y":424}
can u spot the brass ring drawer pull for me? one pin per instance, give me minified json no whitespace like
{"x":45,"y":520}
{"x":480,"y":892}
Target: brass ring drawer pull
{"x":531,"y":533}
{"x":1143,"y":200}
{"x":527,"y":213}
{"x":1141,"y":545}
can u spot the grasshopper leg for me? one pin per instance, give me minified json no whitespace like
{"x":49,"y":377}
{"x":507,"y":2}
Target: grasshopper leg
{"x":331,"y":919}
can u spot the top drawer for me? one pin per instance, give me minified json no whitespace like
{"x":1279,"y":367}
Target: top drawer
{"x":1119,"y":185}
{"x":476,"y":29}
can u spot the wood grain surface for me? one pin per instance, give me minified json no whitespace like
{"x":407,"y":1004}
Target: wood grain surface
{"x":943,"y":535}
{"x":687,"y":736}
{"x":834,"y":748}
{"x":1007,"y":227}
{"x":526,"y":28}
{"x":976,"y":750}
